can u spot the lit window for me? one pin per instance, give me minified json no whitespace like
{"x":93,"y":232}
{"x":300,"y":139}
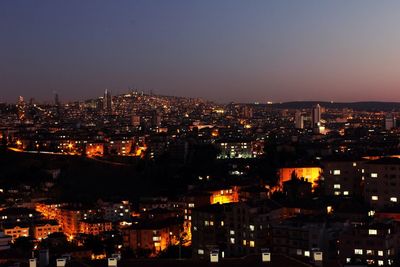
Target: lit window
{"x":370,"y":252}
{"x":191,"y":205}
{"x":354,"y":164}
{"x":393,"y":199}
{"x":252,"y":244}
{"x":346,"y":193}
{"x":206,"y":223}
{"x":358,"y":251}
{"x":232,"y":240}
{"x":380,"y":263}
{"x":200,"y":251}
{"x":211,"y":223}
{"x":232,"y":232}
{"x":336,"y":172}
{"x":251,"y":227}
{"x":372,"y":232}
{"x":336,"y":186}
{"x":222,"y":223}
{"x":374,"y":197}
{"x":380,"y":252}
{"x":306,"y":253}
{"x":244,"y":242}
{"x":374,"y":175}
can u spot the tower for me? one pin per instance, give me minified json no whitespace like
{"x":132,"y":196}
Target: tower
{"x":107,"y":101}
{"x":316,"y":116}
{"x":299,"y":120}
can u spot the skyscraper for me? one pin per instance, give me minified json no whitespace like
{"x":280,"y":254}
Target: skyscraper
{"x":299,"y":120}
{"x":107,"y":101}
{"x":316,"y":116}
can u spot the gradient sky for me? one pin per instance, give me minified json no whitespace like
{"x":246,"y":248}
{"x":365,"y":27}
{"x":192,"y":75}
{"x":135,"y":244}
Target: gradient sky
{"x":223,"y":50}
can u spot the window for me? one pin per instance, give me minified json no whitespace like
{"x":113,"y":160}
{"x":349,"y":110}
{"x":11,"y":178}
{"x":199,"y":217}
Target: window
{"x":222,"y":223}
{"x":393,"y":199}
{"x":358,"y":251}
{"x":232,"y":232}
{"x":232,"y":240}
{"x":200,"y":251}
{"x":372,"y":232}
{"x":374,"y":197}
{"x":380,"y":263}
{"x":380,"y":252}
{"x":374,"y":175}
{"x":244,"y":242}
{"x":252,"y":244}
{"x":206,"y":223}
{"x":336,"y":186}
{"x":251,"y":227}
{"x":307,"y":253}
{"x":345,"y":193}
{"x":336,"y":172}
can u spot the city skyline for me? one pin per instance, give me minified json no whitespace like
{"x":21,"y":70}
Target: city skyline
{"x":265,"y":51}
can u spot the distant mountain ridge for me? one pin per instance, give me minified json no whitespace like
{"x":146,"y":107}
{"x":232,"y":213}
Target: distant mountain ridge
{"x":364,"y":105}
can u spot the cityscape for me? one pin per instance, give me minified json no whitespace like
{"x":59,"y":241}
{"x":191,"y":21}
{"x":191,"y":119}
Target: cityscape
{"x":184,"y":133}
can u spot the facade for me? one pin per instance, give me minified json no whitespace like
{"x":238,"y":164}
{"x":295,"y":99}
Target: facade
{"x":236,"y":229}
{"x":42,"y":229}
{"x":342,"y":177}
{"x":94,"y":227}
{"x":382,"y":182}
{"x":373,"y":243}
{"x":16,"y":230}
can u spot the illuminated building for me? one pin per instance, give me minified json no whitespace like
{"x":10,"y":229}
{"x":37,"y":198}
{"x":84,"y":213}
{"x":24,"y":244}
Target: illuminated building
{"x":225,"y":196}
{"x":48,"y":209}
{"x":236,"y":229}
{"x":94,"y":149}
{"x":16,"y":230}
{"x":342,"y":177}
{"x":107,"y":102}
{"x":152,"y":236}
{"x":381,"y":188}
{"x":44,"y":228}
{"x":311,"y":174}
{"x":94,"y":227}
{"x":316,"y":116}
{"x":299,"y":120}
{"x":374,"y":243}
{"x":235,"y":149}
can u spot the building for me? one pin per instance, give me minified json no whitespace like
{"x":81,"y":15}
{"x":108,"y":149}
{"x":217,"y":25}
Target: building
{"x":372,"y":243}
{"x":42,"y":229}
{"x":107,"y":102}
{"x":390,"y":122}
{"x":94,"y":227}
{"x":16,"y":230}
{"x":4,"y":241}
{"x":381,"y":182}
{"x":299,"y":120}
{"x":316,"y":116}
{"x":235,"y":229}
{"x":342,"y":177}
{"x":309,"y":173}
{"x":152,"y":236}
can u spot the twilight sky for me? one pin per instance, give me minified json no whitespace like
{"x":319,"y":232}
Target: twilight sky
{"x":225,"y":50}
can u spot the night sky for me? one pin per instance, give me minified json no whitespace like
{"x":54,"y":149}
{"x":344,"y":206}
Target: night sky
{"x":223,"y":50}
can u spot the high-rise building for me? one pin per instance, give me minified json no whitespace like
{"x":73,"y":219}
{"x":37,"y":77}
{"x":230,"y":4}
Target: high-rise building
{"x":390,"y":122}
{"x":107,"y":101}
{"x":316,"y":116}
{"x":299,"y":120}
